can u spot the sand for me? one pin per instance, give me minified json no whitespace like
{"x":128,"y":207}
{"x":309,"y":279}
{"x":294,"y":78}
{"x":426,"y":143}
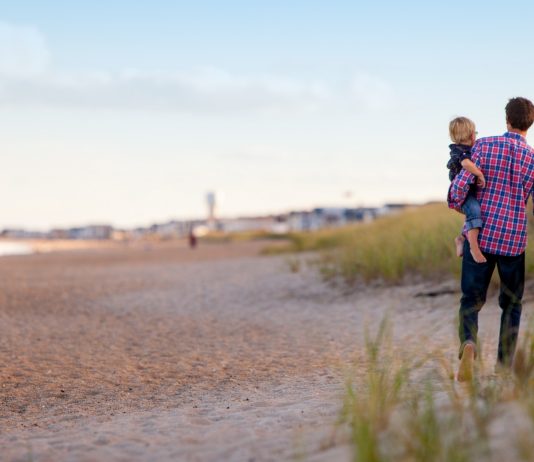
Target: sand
{"x":163,"y":353}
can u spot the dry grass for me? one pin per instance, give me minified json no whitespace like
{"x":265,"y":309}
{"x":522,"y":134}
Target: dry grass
{"x":418,"y":241}
{"x":406,"y":410}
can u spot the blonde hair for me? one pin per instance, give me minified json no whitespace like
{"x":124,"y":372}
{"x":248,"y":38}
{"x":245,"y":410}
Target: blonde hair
{"x":461,"y":130}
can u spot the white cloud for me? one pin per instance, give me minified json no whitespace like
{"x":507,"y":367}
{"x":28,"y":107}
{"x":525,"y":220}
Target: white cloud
{"x":204,"y":91}
{"x":26,"y":78}
{"x":23,"y":51}
{"x":371,"y":92}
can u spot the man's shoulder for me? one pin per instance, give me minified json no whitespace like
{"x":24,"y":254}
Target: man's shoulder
{"x":492,"y":140}
{"x":488,"y":144}
{"x":526,"y":147}
{"x":521,"y":145}
{"x":503,"y":142}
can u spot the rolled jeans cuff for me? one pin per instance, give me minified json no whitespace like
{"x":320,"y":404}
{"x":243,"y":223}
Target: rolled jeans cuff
{"x":473,"y":223}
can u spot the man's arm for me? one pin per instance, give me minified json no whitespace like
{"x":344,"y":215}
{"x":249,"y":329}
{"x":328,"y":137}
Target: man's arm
{"x":468,"y":165}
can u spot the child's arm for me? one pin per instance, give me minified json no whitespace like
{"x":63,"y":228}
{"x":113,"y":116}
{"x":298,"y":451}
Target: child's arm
{"x":472,"y":168}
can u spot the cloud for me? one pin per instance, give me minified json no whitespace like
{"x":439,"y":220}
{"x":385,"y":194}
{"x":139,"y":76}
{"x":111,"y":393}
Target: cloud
{"x":23,"y":51}
{"x":28,"y":79}
{"x":203,"y":91}
{"x":371,"y":92}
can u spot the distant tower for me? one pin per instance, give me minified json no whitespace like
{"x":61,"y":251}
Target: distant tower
{"x":210,"y":200}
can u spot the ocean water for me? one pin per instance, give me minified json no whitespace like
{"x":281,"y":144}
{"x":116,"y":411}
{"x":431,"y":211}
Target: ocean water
{"x":15,"y":248}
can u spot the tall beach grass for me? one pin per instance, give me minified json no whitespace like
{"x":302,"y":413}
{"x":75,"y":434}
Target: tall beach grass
{"x":405,"y":407}
{"x":418,"y":241}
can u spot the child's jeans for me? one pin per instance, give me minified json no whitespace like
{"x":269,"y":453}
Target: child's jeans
{"x":471,"y":209}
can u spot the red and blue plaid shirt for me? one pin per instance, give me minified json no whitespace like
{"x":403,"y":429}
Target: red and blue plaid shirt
{"x":507,"y":163}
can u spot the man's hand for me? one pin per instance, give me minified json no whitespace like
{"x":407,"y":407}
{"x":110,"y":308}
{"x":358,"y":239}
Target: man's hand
{"x":481,"y":181}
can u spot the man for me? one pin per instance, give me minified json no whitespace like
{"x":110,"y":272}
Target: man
{"x":507,"y":163}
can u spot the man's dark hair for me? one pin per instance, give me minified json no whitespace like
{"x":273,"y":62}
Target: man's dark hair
{"x":520,"y":113}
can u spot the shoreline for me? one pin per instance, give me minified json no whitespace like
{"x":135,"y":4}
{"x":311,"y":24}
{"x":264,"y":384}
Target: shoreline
{"x":53,"y":245}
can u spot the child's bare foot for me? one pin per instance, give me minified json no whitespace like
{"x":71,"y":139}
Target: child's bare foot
{"x":472,"y":237}
{"x":477,"y":255}
{"x":459,"y":241}
{"x":465,"y":371}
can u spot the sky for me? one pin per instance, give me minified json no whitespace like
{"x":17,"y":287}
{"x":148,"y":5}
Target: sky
{"x":128,"y":112}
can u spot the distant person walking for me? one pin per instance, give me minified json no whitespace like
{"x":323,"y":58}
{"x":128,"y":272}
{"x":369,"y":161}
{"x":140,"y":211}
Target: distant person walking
{"x":192,"y":238}
{"x":507,"y":163}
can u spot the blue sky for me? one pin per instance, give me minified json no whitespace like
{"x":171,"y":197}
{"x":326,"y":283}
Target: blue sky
{"x":128,"y":112}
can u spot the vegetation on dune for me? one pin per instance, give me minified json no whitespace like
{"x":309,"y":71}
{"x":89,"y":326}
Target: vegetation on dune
{"x":417,"y":241}
{"x":410,"y":409}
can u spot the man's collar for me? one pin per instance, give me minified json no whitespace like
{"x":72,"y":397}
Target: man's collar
{"x":516,"y":136}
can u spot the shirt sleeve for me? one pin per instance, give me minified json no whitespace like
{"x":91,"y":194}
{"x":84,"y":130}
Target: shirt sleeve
{"x":465,"y":155}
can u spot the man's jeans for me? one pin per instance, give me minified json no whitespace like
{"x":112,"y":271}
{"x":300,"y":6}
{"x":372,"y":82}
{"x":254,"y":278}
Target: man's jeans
{"x":476,"y":278}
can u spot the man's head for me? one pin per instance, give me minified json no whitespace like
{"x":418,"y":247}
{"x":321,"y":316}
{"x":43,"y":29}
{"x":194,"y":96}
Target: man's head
{"x":462,"y":131}
{"x":519,"y":114}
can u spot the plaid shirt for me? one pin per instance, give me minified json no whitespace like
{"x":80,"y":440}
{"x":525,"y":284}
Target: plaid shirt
{"x":507,"y":163}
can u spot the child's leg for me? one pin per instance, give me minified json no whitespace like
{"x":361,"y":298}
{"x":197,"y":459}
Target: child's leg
{"x":459,"y":242}
{"x":473,"y":223}
{"x":472,"y":238}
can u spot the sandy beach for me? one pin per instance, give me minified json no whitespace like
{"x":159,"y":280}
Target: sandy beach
{"x":163,"y":353}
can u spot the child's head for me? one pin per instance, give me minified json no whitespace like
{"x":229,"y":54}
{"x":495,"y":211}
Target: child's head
{"x":462,"y":131}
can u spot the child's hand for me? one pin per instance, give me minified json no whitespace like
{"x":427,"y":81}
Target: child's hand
{"x":481,"y":181}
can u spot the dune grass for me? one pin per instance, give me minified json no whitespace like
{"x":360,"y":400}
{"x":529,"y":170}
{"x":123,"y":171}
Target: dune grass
{"x":417,"y":241}
{"x":406,"y":408}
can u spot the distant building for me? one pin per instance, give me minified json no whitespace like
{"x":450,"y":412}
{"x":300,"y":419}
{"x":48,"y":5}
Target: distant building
{"x":22,"y":234}
{"x":97,"y":232}
{"x":91,"y":232}
{"x":324,"y":217}
{"x":387,"y":209}
{"x":303,"y":220}
{"x":120,"y":235}
{"x":59,"y":234}
{"x":233,"y":225}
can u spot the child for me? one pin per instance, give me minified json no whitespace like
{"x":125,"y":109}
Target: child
{"x":463,"y":135}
